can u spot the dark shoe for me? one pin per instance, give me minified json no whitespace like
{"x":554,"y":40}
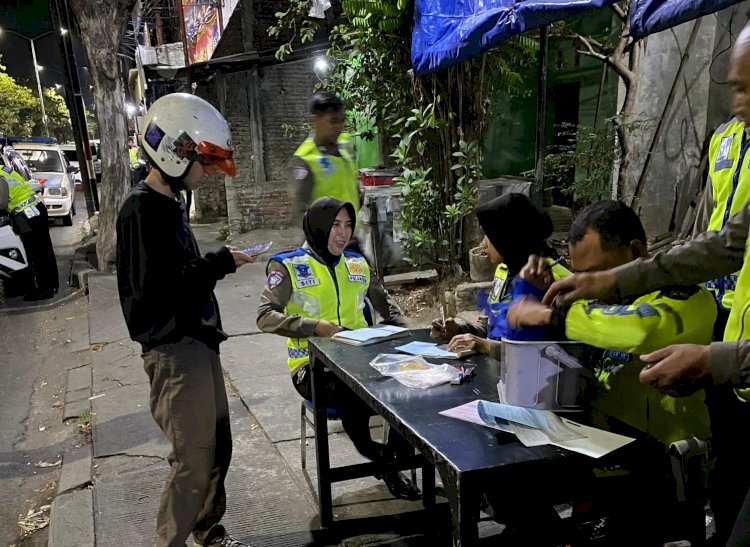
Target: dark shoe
{"x":400,"y":487}
{"x":218,"y":537}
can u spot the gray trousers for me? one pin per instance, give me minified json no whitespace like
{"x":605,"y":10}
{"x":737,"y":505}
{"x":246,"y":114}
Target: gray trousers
{"x":189,"y":403}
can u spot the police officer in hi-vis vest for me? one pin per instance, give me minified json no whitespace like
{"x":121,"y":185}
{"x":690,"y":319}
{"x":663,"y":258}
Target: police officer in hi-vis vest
{"x":29,"y":216}
{"x":320,"y":289}
{"x":324,"y":164}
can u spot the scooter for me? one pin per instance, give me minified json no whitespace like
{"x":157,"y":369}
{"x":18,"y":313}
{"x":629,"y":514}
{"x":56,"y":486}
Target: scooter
{"x":13,"y":259}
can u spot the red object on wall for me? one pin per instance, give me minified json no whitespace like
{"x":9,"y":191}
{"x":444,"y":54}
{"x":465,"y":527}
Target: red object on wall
{"x":377,"y":177}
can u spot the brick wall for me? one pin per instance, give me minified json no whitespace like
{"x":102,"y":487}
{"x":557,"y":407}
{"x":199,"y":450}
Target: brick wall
{"x":285,"y":92}
{"x":210,"y":198}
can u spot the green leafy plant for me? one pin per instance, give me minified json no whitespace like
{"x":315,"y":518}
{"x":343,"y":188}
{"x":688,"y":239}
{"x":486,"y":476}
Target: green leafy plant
{"x":582,"y":166}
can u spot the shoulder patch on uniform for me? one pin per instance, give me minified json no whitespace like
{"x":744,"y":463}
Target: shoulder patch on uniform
{"x":274,"y":279}
{"x":7,"y":169}
{"x":300,"y":173}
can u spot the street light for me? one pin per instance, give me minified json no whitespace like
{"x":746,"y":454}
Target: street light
{"x":37,"y":68}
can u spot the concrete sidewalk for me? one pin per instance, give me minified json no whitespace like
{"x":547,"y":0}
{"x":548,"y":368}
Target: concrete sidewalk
{"x":269,"y":500}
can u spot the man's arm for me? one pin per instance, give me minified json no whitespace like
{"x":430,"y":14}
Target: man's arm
{"x":384,"y":303}
{"x":271,"y":315}
{"x":303,"y":182}
{"x":4,"y":194}
{"x":730,"y":362}
{"x":708,"y":256}
{"x":705,"y":209}
{"x":651,"y":322}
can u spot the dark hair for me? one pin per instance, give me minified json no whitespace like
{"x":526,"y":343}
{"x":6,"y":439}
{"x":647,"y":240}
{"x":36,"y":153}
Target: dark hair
{"x":616,"y":223}
{"x":325,"y":101}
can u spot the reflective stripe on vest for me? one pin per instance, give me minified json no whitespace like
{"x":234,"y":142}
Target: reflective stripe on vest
{"x":335,"y":177}
{"x":317,"y":295}
{"x":730,"y":184}
{"x":20,"y":191}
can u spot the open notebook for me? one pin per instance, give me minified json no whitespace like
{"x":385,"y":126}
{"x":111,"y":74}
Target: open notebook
{"x":370,"y":335}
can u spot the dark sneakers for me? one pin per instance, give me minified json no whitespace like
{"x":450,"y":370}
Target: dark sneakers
{"x":400,"y":487}
{"x":218,"y":537}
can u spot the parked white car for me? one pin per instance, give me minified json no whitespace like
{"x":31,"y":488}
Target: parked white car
{"x":54,"y":173}
{"x":69,"y":150}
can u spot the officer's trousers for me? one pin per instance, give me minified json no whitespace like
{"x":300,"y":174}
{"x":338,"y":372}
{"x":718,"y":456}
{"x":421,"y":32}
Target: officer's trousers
{"x":34,"y":233}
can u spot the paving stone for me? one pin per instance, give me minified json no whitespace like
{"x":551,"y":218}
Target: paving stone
{"x":118,"y":364}
{"x":239,"y":295}
{"x":79,"y":334}
{"x":254,"y":355}
{"x":106,"y":323}
{"x":75,"y":409}
{"x":276,"y":405}
{"x":123,"y":424}
{"x":76,"y":469}
{"x":79,"y":378}
{"x":72,"y":520}
{"x":78,"y":395}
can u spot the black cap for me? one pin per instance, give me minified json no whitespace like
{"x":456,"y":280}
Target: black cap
{"x":325,"y":101}
{"x":515,"y":227}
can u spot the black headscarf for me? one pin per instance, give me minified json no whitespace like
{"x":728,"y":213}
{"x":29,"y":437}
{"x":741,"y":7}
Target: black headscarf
{"x":515,"y":227}
{"x":317,"y":225}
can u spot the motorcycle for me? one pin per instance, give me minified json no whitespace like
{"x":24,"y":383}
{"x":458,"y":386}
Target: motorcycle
{"x":13,"y":260}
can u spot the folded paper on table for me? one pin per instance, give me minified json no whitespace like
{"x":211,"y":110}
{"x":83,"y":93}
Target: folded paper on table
{"x":426,"y":349}
{"x":370,"y":335}
{"x":560,"y":432}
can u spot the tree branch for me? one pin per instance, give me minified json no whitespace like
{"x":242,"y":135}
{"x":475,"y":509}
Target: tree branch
{"x":620,"y":12}
{"x":591,"y":52}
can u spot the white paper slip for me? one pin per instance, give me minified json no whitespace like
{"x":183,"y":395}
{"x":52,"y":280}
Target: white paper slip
{"x":596,"y":443}
{"x":468,"y":413}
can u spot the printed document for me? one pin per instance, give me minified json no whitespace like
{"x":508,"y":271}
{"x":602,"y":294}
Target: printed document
{"x":536,"y":427}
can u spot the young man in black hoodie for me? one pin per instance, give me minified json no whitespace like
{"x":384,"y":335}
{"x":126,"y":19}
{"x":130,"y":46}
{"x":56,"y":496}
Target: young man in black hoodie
{"x":166,"y":292}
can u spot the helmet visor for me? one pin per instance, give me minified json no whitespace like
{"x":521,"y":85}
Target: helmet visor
{"x":218,"y":157}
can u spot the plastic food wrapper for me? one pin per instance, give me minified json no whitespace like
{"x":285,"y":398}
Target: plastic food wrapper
{"x":413,"y":371}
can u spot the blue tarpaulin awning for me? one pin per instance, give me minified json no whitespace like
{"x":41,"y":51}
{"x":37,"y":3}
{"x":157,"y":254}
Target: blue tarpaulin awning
{"x":447,"y":32}
{"x":649,"y":16}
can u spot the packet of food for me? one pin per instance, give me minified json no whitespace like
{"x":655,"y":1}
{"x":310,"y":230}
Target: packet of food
{"x":413,"y":371}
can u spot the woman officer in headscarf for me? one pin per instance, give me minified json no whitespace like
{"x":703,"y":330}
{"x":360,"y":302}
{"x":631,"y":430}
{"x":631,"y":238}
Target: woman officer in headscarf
{"x":320,"y":289}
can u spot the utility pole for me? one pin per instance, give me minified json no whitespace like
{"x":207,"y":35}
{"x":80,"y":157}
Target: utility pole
{"x":74,"y":98}
{"x":39,"y":88}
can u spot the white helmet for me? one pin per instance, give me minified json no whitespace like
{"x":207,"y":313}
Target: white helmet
{"x":181,"y":128}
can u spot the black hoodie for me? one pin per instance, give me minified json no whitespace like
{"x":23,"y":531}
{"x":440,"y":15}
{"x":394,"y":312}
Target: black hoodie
{"x":516,"y":228}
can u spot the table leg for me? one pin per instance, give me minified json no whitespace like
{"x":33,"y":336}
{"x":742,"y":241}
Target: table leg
{"x":463,"y":499}
{"x":428,"y":485}
{"x":320,"y":402}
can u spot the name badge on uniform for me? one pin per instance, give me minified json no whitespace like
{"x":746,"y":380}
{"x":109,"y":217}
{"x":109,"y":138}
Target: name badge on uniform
{"x":722,"y":159}
{"x":305,"y":276}
{"x":356,"y":271}
{"x":497,"y":286}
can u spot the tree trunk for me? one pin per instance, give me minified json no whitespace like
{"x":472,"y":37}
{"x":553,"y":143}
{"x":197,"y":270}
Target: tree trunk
{"x":102,"y":24}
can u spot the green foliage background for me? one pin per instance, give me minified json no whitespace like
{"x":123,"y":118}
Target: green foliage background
{"x":21,"y":115}
{"x":430,"y":125}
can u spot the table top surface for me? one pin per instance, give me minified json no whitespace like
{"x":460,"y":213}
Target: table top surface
{"x":465,"y":446}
